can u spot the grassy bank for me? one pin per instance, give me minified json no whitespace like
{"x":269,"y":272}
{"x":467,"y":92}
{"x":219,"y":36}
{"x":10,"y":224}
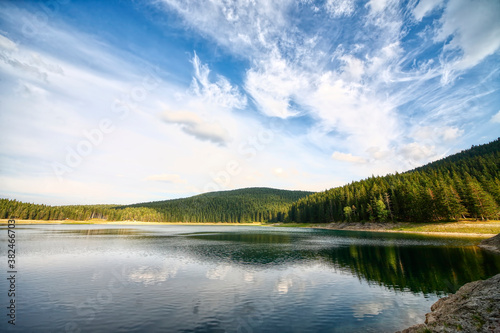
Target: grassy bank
{"x":479,"y":227}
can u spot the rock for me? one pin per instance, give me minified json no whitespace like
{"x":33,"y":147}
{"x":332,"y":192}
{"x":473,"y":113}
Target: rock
{"x":492,"y":244}
{"x":475,"y":307}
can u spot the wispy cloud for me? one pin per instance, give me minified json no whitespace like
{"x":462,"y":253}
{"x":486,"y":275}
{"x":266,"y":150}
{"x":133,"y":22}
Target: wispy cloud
{"x":273,"y":84}
{"x":339,"y":8}
{"x":221,"y":92}
{"x":470,"y":31}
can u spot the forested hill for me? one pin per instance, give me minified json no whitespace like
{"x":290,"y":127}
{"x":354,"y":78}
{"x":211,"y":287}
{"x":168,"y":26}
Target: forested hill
{"x":249,"y":204}
{"x":242,"y":205}
{"x":466,"y":184}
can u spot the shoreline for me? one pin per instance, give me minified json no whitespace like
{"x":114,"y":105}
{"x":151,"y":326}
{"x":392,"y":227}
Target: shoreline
{"x":103,"y":222}
{"x":485,"y":229}
{"x":406,"y":228}
{"x":429,"y":233}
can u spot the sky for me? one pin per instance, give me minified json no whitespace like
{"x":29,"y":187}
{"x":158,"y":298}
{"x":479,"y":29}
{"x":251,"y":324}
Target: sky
{"x":133,"y":101}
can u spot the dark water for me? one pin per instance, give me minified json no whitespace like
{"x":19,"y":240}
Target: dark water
{"x":102,"y":278}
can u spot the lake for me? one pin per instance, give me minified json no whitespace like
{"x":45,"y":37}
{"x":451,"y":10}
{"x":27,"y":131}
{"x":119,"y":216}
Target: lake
{"x":176,"y":278}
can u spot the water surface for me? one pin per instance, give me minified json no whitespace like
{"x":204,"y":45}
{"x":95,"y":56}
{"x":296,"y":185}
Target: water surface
{"x":174,"y":278}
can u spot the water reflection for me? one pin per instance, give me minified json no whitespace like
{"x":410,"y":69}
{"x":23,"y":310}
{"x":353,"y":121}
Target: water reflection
{"x":419,"y":269}
{"x":153,"y":275}
{"x":428,"y":265}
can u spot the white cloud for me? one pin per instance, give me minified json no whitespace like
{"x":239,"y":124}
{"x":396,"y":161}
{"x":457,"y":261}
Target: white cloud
{"x":208,"y":131}
{"x":378,"y":154}
{"x":415,"y":152}
{"x":452,"y":133}
{"x":425,"y":7}
{"x":437,"y":135}
{"x":474,"y":30}
{"x":221,"y":93}
{"x":353,"y":69}
{"x":19,"y":61}
{"x":273,"y":83}
{"x":192,"y":124}
{"x":168,"y":178}
{"x":348,"y":158}
{"x":339,"y":8}
{"x":181,"y":117}
{"x":355,"y":111}
{"x":378,"y":5}
{"x":496,"y":118}
{"x":6,"y":44}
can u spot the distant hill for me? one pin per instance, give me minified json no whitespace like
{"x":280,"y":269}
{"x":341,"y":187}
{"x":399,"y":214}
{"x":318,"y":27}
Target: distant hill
{"x":466,"y":184}
{"x":242,"y":205}
{"x":259,"y":204}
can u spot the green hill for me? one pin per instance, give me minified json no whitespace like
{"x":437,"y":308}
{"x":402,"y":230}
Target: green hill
{"x":466,"y":184}
{"x":249,"y":204}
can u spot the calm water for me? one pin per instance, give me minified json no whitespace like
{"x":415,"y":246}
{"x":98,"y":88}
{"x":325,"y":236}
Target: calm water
{"x":101,"y":278}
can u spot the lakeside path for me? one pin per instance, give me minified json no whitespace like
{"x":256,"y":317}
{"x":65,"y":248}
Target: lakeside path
{"x":478,"y":229}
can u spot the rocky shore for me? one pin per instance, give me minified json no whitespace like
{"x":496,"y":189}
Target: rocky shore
{"x":491,"y":244}
{"x":475,"y":307}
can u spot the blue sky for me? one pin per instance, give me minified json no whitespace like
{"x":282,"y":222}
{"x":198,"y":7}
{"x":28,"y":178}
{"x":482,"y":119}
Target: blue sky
{"x":133,"y":101}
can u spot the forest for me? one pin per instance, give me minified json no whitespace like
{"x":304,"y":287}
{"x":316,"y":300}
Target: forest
{"x":464,"y":185}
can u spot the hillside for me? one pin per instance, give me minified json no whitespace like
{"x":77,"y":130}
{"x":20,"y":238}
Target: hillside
{"x":242,"y":205}
{"x":466,"y":184}
{"x":250,"y":204}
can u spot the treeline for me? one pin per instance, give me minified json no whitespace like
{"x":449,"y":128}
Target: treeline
{"x":464,"y":185}
{"x":243,"y":205}
{"x":28,"y":211}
